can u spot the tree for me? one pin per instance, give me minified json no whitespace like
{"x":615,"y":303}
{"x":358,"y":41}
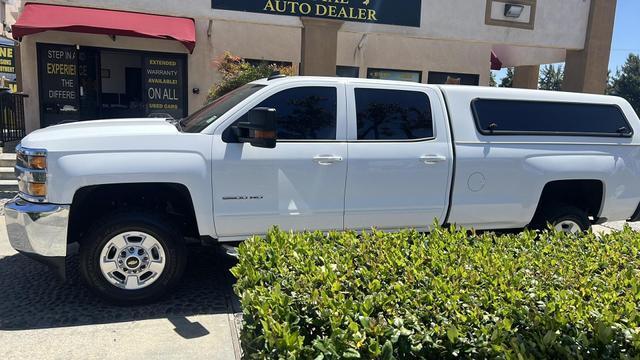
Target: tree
{"x":626,"y":83}
{"x":551,"y":78}
{"x":609,"y":89}
{"x":492,"y":79}
{"x":236,"y":72}
{"x":507,"y":81}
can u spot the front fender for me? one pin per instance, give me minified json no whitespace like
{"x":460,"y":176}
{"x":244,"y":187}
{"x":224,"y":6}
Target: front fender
{"x":72,"y":171}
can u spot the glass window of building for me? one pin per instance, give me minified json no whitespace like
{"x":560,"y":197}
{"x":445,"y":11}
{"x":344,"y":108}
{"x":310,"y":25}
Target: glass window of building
{"x":399,"y":75}
{"x":348,"y":71}
{"x":446,"y":78}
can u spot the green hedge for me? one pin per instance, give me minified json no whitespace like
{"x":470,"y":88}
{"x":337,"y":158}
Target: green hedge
{"x":441,"y":295}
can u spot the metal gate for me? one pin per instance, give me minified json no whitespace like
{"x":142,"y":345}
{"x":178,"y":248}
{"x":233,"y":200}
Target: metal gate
{"x":12,"y":125}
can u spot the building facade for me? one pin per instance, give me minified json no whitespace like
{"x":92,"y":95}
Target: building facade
{"x":71,"y":73}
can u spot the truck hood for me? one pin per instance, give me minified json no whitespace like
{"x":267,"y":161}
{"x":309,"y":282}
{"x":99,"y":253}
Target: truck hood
{"x":94,"y":133}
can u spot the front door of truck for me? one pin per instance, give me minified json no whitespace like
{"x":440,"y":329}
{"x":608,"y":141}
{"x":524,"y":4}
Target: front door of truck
{"x":300,"y":184}
{"x":400,"y":158}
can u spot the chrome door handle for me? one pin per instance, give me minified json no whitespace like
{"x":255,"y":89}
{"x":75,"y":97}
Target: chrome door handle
{"x":432,"y":159}
{"x":327,"y":159}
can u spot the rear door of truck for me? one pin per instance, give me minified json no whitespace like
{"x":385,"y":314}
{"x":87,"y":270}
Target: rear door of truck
{"x":400,"y":163}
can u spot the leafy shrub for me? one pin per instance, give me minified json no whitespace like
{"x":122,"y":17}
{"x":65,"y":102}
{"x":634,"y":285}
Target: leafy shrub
{"x":236,"y":72}
{"x":440,"y":295}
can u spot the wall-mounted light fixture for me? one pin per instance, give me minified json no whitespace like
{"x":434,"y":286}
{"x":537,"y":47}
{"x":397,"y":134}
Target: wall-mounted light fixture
{"x":513,"y":11}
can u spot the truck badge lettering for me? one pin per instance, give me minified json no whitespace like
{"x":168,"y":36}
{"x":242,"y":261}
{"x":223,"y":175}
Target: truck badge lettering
{"x":243,"y":198}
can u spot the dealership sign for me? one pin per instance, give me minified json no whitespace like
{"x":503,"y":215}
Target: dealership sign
{"x":389,"y":12}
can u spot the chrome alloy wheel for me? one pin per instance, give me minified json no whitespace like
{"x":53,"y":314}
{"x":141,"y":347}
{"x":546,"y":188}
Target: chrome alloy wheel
{"x":132,"y":260}
{"x":568,"y":227}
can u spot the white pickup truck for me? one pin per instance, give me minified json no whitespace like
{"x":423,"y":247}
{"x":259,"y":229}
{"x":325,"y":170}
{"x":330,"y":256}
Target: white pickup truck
{"x":318,"y":154}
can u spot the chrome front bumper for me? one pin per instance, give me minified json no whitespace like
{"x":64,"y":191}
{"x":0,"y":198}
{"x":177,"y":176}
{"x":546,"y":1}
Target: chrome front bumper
{"x":39,"y":231}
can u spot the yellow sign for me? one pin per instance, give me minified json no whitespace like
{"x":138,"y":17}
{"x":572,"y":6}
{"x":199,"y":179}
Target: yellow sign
{"x":8,"y":67}
{"x":7,"y":60}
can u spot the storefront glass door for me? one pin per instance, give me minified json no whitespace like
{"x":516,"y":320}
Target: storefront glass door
{"x":88,"y":65}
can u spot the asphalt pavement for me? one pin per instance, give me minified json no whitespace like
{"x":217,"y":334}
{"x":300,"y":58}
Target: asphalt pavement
{"x":41,"y":318}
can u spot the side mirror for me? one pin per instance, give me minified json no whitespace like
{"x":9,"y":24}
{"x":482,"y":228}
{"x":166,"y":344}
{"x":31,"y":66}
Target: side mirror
{"x":260,"y":128}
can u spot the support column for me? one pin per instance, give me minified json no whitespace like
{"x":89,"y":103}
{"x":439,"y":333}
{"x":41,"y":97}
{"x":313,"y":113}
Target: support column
{"x":319,"y":47}
{"x":17,"y":55}
{"x":526,"y":77}
{"x":586,"y":70}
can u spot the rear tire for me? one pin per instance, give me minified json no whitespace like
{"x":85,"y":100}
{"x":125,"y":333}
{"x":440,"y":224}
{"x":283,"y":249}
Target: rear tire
{"x":567,"y":218}
{"x":132,"y":257}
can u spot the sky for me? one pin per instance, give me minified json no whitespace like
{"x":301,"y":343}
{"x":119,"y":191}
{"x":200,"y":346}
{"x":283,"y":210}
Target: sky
{"x":626,"y":35}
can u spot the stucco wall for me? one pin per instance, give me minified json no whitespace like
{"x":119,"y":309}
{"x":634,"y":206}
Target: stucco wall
{"x":256,"y":41}
{"x":282,"y":43}
{"x":559,"y":23}
{"x":381,"y":51}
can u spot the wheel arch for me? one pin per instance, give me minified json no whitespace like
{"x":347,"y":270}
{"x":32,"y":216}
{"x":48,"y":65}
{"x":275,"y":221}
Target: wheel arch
{"x":585,"y":194}
{"x":90,"y":203}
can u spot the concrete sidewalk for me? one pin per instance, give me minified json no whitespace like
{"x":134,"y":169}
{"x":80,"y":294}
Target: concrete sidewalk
{"x":43,"y":319}
{"x":615,"y":226}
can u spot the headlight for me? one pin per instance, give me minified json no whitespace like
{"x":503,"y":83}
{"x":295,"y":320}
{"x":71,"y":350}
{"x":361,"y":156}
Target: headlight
{"x":31,"y":170}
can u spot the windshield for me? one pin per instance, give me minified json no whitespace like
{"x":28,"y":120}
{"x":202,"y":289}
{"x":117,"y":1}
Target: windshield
{"x":212,"y":112}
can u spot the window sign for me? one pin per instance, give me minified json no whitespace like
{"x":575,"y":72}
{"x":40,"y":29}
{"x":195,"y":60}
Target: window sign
{"x":59,"y":89}
{"x":164,"y":88}
{"x":8,"y":66}
{"x":388,"y":12}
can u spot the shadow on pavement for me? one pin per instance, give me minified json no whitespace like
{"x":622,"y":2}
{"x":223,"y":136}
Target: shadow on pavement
{"x":32,"y":298}
{"x":188,"y":329}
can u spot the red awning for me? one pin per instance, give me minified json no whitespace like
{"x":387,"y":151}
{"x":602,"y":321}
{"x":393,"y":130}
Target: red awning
{"x":36,"y":18}
{"x":496,"y":64}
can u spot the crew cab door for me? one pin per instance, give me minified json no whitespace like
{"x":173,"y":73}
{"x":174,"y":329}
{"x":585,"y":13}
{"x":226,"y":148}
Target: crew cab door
{"x":300,"y":184}
{"x":400,"y":157}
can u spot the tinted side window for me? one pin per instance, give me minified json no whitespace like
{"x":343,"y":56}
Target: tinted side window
{"x":496,"y":117}
{"x":305,"y":113}
{"x":393,"y":115}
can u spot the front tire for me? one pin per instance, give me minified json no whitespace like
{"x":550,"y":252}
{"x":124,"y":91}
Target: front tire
{"x":132,"y":257}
